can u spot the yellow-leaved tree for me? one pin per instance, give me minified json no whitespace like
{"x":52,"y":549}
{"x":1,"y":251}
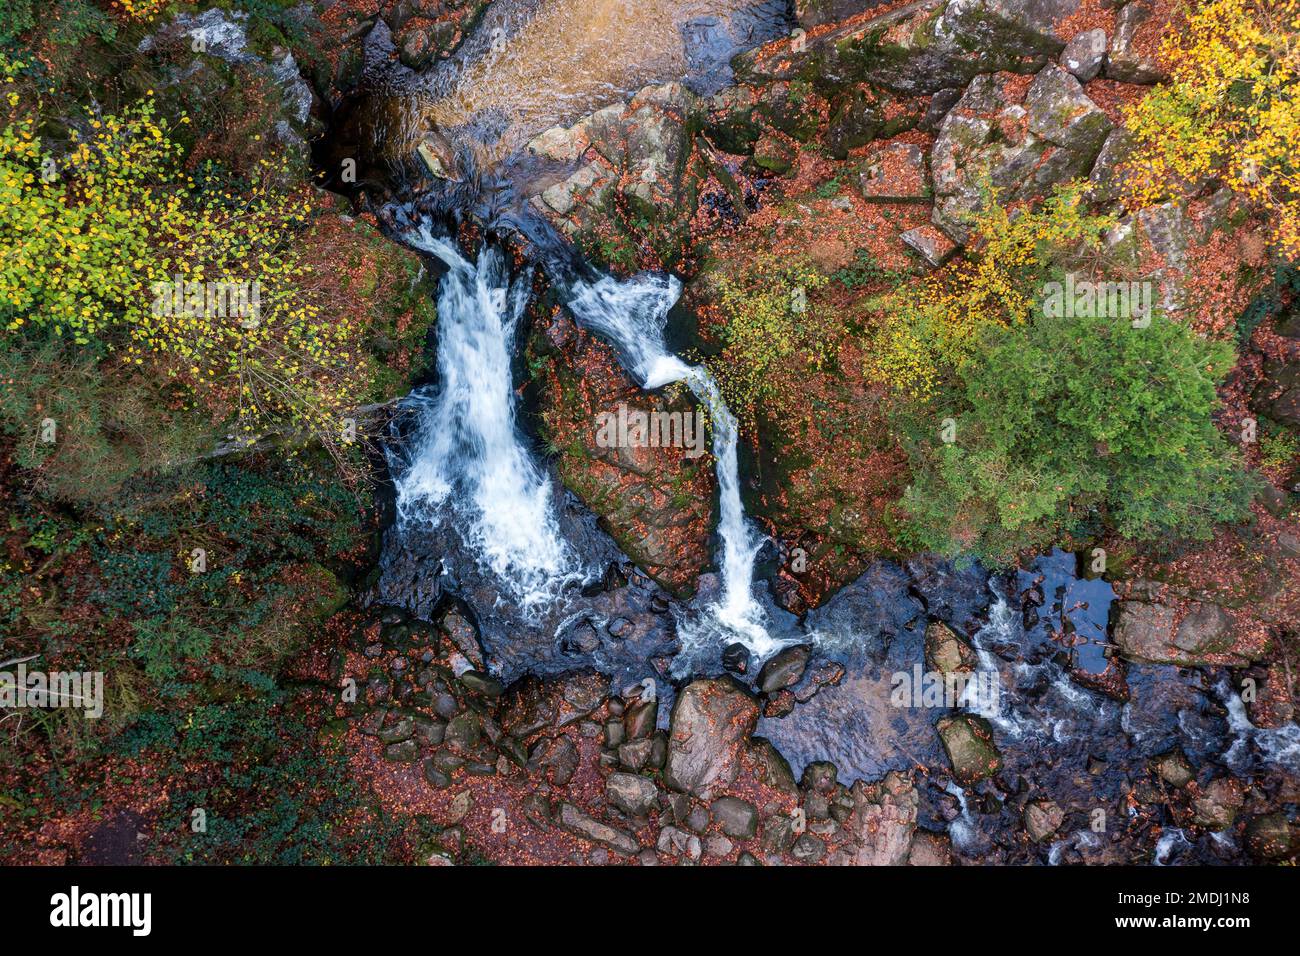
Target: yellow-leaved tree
{"x":1231,"y":111}
{"x":110,"y":245}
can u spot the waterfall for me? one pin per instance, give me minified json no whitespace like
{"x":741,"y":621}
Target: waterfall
{"x":631,"y":315}
{"x":465,"y":459}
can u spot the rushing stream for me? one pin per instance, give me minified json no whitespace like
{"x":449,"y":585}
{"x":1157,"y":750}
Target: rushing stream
{"x":484,"y":524}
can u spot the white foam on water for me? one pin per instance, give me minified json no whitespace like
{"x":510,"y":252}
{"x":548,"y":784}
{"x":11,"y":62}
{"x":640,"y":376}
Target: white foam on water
{"x":466,"y":456}
{"x":632,"y":315}
{"x":1279,"y":745}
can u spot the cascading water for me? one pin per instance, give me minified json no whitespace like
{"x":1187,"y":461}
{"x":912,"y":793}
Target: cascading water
{"x":465,"y":458}
{"x":632,"y":315}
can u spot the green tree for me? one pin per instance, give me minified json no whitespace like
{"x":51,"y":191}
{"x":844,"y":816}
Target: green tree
{"x":1074,"y":424}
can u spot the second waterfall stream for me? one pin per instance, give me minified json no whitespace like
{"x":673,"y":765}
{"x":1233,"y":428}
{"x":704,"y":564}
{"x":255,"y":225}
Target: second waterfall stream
{"x":466,"y":461}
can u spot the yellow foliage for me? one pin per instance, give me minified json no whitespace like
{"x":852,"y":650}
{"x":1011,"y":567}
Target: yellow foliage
{"x":95,"y":236}
{"x":931,"y":326}
{"x":1232,"y":110}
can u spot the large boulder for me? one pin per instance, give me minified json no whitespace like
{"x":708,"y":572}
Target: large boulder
{"x":920,"y":48}
{"x":881,"y":825}
{"x":1061,"y":113}
{"x":968,"y":742}
{"x":711,"y":722}
{"x":1155,"y":633}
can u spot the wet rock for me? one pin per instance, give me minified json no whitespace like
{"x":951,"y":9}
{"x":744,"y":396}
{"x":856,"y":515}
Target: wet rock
{"x":736,"y":817}
{"x":464,"y":637}
{"x":945,"y":652}
{"x":633,"y":794}
{"x":785,"y":669}
{"x":1084,"y":56}
{"x":1042,"y":819}
{"x":581,"y":825}
{"x":1272,"y":837}
{"x":773,"y":769}
{"x":635,"y":755}
{"x":1173,"y":768}
{"x":697,"y":819}
{"x":1217,"y":806}
{"x":881,"y":824}
{"x":710,"y":723}
{"x":929,"y":849}
{"x":639,"y":719}
{"x":968,"y":742}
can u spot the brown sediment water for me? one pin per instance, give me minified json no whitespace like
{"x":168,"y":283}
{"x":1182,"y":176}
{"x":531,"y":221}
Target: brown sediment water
{"x":533,"y":64}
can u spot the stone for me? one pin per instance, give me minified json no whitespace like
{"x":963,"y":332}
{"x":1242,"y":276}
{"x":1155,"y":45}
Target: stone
{"x":774,"y":154}
{"x":1173,"y":768}
{"x":718,"y":846}
{"x":816,"y":13}
{"x":1216,"y":807}
{"x":1272,"y":837}
{"x":736,"y":658}
{"x":633,"y":794}
{"x":808,"y":849}
{"x":464,"y":732}
{"x":403,"y":752}
{"x":778,"y":834}
{"x":639,"y":719}
{"x":434,"y":775}
{"x":1042,"y":819}
{"x":931,"y":244}
{"x":581,"y":825}
{"x":677,"y":842}
{"x":929,"y":849}
{"x":784,"y":669}
{"x":710,"y":723}
{"x":480,"y":683}
{"x":880,"y":826}
{"x":1123,"y":62}
{"x":401,"y":729}
{"x":635,"y":755}
{"x":968,"y":742}
{"x":1085,"y":54}
{"x":587,"y":185}
{"x":1063,"y":114}
{"x":1205,"y":629}
{"x":559,"y":144}
{"x":773,"y":769}
{"x":558,"y":757}
{"x":945,"y":652}
{"x":736,"y":817}
{"x":819,"y":777}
